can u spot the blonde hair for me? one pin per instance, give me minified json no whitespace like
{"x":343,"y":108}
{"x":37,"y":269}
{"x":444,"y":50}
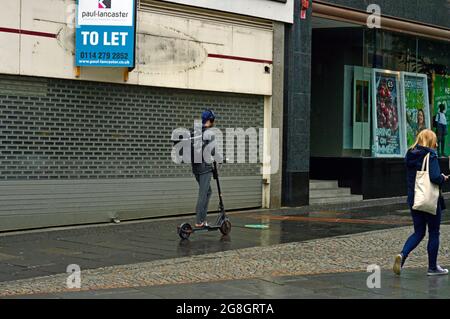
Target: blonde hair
{"x":426,"y":138}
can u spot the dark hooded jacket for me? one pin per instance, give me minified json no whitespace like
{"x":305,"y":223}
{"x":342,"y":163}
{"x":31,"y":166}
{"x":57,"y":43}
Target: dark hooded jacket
{"x":414,"y":159}
{"x":199,"y":143}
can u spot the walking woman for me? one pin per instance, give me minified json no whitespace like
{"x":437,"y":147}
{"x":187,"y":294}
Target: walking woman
{"x":426,"y":142}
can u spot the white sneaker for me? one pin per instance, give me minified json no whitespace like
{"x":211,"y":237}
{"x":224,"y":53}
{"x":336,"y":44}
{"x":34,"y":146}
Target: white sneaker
{"x":398,"y":264}
{"x":439,"y":271}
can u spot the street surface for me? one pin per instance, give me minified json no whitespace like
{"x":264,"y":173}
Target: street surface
{"x":305,"y":253}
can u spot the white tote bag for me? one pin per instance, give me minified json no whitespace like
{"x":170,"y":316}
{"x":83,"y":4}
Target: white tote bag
{"x":426,"y":194}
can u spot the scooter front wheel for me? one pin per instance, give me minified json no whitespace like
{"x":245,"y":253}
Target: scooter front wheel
{"x":184,"y":231}
{"x":225,"y":228}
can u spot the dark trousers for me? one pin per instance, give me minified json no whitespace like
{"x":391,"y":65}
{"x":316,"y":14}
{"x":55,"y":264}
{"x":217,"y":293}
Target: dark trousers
{"x":421,"y":221}
{"x":204,"y":194}
{"x":441,"y":133}
{"x":441,"y":149}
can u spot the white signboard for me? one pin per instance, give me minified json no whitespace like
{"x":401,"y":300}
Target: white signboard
{"x":267,"y":9}
{"x":105,"y":34}
{"x":106,"y":12}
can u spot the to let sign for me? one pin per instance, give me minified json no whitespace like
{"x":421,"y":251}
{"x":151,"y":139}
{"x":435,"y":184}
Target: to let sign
{"x":105,"y":34}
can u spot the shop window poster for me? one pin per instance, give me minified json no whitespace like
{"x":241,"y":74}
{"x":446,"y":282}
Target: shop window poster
{"x":388,"y":126}
{"x":441,"y":95}
{"x":416,"y":104}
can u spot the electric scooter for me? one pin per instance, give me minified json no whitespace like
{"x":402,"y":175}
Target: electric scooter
{"x":223,"y":223}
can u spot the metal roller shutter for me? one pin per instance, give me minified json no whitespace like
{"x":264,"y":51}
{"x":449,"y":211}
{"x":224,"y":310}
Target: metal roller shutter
{"x":75,"y":152}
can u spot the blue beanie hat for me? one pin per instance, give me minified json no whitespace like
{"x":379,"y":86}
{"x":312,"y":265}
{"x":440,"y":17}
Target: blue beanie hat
{"x":208,"y":115}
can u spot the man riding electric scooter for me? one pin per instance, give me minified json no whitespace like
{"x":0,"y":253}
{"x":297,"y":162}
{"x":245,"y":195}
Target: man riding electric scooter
{"x":204,"y":160}
{"x":202,"y":169}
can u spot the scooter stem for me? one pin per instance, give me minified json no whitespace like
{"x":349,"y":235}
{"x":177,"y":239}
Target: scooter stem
{"x":216,"y":177}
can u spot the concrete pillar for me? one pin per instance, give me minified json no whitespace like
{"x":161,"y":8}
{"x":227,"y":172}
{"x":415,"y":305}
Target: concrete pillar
{"x":296,"y":135}
{"x":277,"y":110}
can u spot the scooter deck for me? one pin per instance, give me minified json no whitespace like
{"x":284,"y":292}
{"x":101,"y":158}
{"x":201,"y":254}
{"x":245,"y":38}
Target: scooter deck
{"x":207,"y":228}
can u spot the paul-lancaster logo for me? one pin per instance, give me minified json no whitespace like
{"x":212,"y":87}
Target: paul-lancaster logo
{"x":103,"y":14}
{"x":104,"y":4}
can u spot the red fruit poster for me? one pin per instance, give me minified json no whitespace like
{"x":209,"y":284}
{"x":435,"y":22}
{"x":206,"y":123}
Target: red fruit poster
{"x":388,"y":126}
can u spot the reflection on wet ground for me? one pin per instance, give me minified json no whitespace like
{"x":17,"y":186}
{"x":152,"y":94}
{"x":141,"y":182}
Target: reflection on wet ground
{"x":36,"y":254}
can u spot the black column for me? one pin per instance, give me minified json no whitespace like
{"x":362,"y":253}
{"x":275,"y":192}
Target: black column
{"x":296,"y":132}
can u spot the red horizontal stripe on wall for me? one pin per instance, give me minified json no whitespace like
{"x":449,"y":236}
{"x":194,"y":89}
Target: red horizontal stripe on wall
{"x":230,"y":57}
{"x":28,"y":32}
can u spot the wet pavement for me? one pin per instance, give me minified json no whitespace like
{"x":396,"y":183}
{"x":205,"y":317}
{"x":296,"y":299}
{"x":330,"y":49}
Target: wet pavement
{"x":413,"y":284}
{"x":28,"y":255}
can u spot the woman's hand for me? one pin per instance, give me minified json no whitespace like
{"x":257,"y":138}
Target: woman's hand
{"x":445,"y":178}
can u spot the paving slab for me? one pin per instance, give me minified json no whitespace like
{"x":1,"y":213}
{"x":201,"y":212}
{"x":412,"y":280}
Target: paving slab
{"x":149,"y":240}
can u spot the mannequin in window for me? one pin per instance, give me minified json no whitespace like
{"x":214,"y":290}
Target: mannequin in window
{"x":441,"y":122}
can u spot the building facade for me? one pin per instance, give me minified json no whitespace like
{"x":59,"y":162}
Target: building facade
{"x":88,"y":145}
{"x":347,"y":89}
{"x":361,"y":81}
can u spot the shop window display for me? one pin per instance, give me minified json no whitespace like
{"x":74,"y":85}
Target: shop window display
{"x":409,"y":83}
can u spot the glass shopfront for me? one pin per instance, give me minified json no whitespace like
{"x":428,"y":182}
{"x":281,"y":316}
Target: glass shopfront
{"x":374,"y":90}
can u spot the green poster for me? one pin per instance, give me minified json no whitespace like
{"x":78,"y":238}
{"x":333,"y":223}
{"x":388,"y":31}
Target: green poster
{"x":416,"y":105}
{"x":441,"y":95}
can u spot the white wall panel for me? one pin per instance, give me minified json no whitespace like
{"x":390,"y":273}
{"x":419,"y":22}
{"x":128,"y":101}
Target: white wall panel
{"x":9,"y":42}
{"x":266,"y":9}
{"x":172,"y":50}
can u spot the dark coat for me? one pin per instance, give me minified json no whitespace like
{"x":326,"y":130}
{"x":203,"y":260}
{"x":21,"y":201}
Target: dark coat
{"x":414,"y":159}
{"x":199,"y":143}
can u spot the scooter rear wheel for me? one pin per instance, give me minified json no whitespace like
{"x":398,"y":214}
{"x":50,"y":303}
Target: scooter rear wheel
{"x":184,"y":231}
{"x":225,"y":228}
